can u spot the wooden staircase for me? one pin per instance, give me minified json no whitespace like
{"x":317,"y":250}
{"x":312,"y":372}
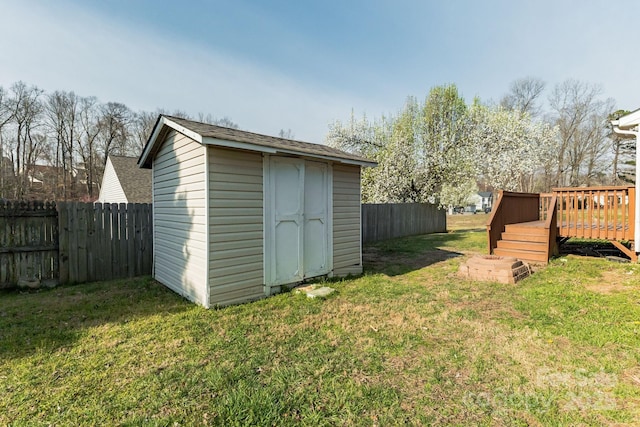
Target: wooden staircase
{"x":528,"y":226}
{"x":524,"y":226}
{"x":526,"y":241}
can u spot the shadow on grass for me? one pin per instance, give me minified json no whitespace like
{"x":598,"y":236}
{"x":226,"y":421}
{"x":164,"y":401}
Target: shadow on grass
{"x":47,"y":320}
{"x":400,"y":256}
{"x":470,"y":230}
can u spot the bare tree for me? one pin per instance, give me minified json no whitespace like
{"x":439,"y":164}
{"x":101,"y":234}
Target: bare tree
{"x":90,"y":125}
{"x":27,"y":145}
{"x":597,"y":145}
{"x":579,"y":115}
{"x":6,"y":115}
{"x":62,"y":119}
{"x":523,"y":96}
{"x":286,"y":134}
{"x":114,"y":124}
{"x":142,"y":127}
{"x":224,"y":121}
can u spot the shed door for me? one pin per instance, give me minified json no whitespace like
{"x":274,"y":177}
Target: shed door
{"x":300,"y":202}
{"x":315,"y":219}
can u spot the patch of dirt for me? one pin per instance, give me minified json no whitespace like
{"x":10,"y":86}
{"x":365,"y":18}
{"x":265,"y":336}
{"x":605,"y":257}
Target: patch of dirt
{"x":612,"y":281}
{"x":378,"y":260}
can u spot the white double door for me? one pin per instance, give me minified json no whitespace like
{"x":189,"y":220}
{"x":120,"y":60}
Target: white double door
{"x":300,"y":218}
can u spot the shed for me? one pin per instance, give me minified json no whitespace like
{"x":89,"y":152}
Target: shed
{"x":124,"y":182}
{"x":237,"y":215}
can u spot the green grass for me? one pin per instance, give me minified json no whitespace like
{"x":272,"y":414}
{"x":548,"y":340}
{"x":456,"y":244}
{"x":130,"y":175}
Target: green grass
{"x":407,"y":343}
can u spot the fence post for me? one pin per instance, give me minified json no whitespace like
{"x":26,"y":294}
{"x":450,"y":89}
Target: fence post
{"x":146,"y":240}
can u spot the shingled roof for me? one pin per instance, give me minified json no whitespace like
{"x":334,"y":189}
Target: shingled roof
{"x":233,"y":138}
{"x":135,"y":182}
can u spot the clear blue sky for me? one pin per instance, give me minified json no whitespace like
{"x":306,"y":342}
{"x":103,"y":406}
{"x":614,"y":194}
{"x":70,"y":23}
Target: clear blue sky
{"x":271,"y":65}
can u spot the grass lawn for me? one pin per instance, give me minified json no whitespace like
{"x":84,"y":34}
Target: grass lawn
{"x":468,"y":222}
{"x":407,"y":343}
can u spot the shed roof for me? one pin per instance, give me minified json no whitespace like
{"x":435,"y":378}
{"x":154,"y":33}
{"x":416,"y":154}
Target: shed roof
{"x":233,"y":138}
{"x":135,"y":182}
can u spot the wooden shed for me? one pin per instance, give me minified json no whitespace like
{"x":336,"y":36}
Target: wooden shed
{"x":236,"y":215}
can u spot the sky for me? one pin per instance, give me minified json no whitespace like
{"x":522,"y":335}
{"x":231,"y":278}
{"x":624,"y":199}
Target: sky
{"x":300,"y":65}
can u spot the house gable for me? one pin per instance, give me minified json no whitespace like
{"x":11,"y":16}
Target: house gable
{"x":111,"y":191}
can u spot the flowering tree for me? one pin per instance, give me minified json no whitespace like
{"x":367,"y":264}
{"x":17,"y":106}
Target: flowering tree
{"x":509,"y":146}
{"x":436,"y":151}
{"x":422,"y":154}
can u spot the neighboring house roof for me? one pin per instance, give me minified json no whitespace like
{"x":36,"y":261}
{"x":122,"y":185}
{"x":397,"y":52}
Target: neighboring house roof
{"x":486,"y":194}
{"x":233,"y":138}
{"x":628,"y":121}
{"x":135,"y":182}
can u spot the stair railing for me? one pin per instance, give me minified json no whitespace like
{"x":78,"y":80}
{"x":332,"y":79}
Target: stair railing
{"x":551,"y":224}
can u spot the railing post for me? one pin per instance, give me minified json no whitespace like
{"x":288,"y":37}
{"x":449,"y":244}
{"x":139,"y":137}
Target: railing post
{"x":632,"y":217}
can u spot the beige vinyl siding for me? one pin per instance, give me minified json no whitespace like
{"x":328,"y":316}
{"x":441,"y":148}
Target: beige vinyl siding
{"x":179,"y":211}
{"x":111,"y":190}
{"x":236,"y":226}
{"x":346,"y":220}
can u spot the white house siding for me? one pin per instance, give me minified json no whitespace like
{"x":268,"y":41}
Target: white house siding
{"x":235,"y":226}
{"x":179,"y":205}
{"x":346,"y":220}
{"x":111,"y":190}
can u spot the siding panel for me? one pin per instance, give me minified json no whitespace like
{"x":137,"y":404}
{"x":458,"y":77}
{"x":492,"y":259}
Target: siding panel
{"x":236,"y":226}
{"x":111,"y":190}
{"x":346,"y":220}
{"x":179,"y":217}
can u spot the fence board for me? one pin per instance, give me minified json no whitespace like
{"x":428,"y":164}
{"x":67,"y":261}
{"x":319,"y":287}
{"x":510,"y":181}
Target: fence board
{"x":122,"y":241}
{"x":389,"y":221}
{"x":82,"y":242}
{"x":131,"y":252}
{"x":63,"y":255}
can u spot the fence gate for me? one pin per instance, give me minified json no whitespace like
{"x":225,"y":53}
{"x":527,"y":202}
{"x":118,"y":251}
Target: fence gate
{"x":28,"y":242}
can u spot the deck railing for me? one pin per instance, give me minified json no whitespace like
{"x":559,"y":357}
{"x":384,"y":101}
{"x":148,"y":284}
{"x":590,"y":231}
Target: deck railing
{"x":596,"y":212}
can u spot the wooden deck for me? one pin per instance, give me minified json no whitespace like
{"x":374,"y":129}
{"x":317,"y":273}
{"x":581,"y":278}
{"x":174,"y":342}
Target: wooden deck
{"x":529,"y":226}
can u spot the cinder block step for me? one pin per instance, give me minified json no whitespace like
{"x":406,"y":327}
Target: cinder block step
{"x":529,"y":256}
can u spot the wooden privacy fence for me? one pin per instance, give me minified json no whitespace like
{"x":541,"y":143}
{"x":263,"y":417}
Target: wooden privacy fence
{"x":104,"y":241}
{"x":28,"y":242}
{"x":388,"y":221}
{"x":74,"y":242}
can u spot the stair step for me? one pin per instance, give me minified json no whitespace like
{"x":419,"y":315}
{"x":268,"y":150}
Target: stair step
{"x":530,"y":256}
{"x":522,"y":245}
{"x":540,"y":238}
{"x":525,"y":229}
